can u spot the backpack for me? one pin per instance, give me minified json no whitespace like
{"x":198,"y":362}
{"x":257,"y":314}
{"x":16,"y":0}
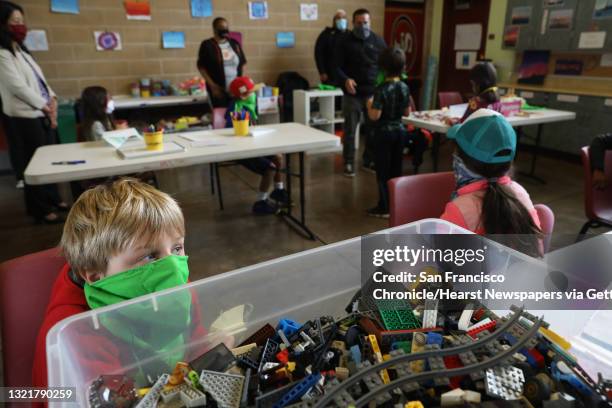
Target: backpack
{"x":287,"y":82}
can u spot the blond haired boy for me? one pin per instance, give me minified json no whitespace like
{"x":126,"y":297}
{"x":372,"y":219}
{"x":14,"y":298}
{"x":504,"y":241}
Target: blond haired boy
{"x":121,"y":240}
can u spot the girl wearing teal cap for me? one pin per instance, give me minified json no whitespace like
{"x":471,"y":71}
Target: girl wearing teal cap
{"x":486,"y":199}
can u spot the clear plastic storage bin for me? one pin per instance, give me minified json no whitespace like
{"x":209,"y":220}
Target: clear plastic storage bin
{"x":230,"y":307}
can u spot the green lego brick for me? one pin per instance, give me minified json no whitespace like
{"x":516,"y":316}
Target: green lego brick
{"x":390,"y":319}
{"x":408,"y":319}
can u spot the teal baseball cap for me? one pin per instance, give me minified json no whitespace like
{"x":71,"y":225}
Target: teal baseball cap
{"x":485,"y":136}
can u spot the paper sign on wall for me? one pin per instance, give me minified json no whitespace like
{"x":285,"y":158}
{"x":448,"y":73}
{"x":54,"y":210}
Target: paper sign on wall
{"x":592,"y":39}
{"x":201,"y":8}
{"x":465,"y":60}
{"x":606,"y":60}
{"x":258,"y":10}
{"x":309,"y":11}
{"x":527,"y":95}
{"x":137,"y":10}
{"x":173,"y":39}
{"x":36,"y":40}
{"x":468,"y":36}
{"x":544,"y":22}
{"x":603,"y":9}
{"x":107,"y":41}
{"x":608,"y":102}
{"x":285,"y":39}
{"x":65,"y":6}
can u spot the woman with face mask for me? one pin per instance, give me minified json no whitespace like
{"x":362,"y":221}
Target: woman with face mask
{"x":220,"y":61}
{"x":30,"y":106}
{"x":325,"y":46}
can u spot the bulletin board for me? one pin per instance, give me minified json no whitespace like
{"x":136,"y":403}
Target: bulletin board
{"x":590,"y":64}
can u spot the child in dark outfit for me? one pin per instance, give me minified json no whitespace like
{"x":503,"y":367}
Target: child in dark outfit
{"x":390,"y":102}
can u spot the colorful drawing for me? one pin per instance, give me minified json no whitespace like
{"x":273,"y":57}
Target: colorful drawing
{"x":137,"y":10}
{"x":511,"y":36}
{"x":568,"y":67}
{"x":603,"y":9}
{"x":285,"y":39}
{"x":521,"y":15}
{"x":65,"y":6}
{"x":534,"y":67}
{"x":561,"y":19}
{"x":309,"y":11}
{"x":107,"y":41}
{"x":201,"y":8}
{"x":173,"y":39}
{"x":258,"y":10}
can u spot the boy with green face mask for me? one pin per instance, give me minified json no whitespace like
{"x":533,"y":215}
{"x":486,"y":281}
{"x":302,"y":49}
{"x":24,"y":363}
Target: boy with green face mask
{"x":122,"y":240}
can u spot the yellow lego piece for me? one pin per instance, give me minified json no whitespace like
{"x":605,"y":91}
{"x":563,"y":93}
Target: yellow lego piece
{"x":555,"y":338}
{"x":379,"y":358}
{"x":142,"y":392}
{"x":414,"y":404}
{"x":418,"y":344}
{"x":244,"y":349}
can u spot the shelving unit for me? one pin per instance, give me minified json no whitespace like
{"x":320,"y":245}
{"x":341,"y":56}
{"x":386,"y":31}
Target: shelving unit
{"x":325,"y":119}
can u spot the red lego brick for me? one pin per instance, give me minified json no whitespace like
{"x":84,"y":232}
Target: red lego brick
{"x":283,"y":356}
{"x":454,"y":362}
{"x":478,"y":315}
{"x":537,"y":356}
{"x":489,"y":326}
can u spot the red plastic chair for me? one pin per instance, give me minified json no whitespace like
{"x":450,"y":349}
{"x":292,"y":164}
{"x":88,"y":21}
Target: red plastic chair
{"x":25,"y":288}
{"x":413,"y":198}
{"x":597,"y":203}
{"x":449,"y":98}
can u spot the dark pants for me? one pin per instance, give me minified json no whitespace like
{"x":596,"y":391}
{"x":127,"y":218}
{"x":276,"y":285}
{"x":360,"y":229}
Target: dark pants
{"x":388,"y":159}
{"x":355,"y":112}
{"x":40,"y":200}
{"x":15,"y":148}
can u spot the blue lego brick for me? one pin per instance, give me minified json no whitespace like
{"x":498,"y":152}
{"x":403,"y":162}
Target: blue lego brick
{"x":289,"y":327}
{"x":356,"y":353}
{"x":434,"y":338}
{"x":299,"y":390}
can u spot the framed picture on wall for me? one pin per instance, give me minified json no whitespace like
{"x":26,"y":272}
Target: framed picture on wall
{"x":463,"y":4}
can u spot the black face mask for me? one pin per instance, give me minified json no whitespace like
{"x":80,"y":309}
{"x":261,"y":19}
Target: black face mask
{"x":223,"y":32}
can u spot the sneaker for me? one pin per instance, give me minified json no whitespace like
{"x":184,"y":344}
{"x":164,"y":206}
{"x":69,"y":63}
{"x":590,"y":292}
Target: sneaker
{"x":349,"y":171}
{"x":263,"y":207}
{"x":281,"y":196}
{"x":20,"y":184}
{"x":378,"y":212}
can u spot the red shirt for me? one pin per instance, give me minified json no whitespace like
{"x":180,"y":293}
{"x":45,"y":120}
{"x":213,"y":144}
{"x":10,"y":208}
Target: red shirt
{"x":105,"y":356}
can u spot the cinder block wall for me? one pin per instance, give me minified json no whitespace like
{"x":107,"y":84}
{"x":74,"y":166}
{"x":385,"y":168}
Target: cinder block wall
{"x":73,"y":63}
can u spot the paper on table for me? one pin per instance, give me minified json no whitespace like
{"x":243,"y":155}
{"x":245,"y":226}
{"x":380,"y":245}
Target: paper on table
{"x":137,"y":150}
{"x":260,"y":131}
{"x":117,"y":138}
{"x":197,"y":136}
{"x":457,"y":111}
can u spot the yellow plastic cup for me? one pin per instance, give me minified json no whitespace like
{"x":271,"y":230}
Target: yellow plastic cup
{"x":275,"y":91}
{"x":241,"y":127}
{"x":154,"y":140}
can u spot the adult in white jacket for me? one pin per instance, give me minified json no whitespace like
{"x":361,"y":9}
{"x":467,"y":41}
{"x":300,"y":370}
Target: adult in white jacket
{"x":31,"y":109}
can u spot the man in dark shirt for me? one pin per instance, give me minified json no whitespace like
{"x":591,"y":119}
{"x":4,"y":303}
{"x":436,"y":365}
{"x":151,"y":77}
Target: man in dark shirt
{"x":356,"y":69}
{"x":325,"y":47}
{"x":597,"y":153}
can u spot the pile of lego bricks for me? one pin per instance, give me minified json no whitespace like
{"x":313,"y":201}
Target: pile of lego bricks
{"x":383,"y":353}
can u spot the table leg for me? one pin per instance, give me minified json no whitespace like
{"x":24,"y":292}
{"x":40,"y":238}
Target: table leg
{"x":534,"y":158}
{"x":297,"y":224}
{"x":435,"y":151}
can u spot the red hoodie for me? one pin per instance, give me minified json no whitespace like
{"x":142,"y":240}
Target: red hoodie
{"x":68,"y":299}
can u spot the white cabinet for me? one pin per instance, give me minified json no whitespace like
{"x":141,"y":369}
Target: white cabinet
{"x":325,"y":118}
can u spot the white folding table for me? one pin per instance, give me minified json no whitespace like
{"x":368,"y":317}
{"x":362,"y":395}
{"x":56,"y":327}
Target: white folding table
{"x":102,"y":160}
{"x":535,"y":117}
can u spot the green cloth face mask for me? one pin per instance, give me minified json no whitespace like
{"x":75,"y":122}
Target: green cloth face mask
{"x":147,"y":329}
{"x":249,"y":104}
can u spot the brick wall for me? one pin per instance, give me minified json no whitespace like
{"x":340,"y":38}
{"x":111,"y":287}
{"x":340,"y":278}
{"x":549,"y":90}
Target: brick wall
{"x":73,"y":63}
